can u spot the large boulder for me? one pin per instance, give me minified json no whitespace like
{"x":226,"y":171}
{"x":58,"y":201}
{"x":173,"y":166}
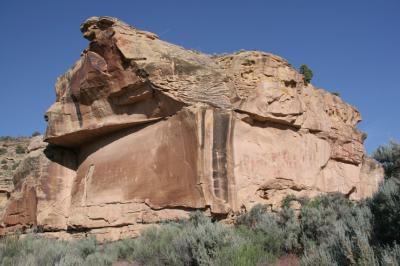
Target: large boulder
{"x":144,"y":131}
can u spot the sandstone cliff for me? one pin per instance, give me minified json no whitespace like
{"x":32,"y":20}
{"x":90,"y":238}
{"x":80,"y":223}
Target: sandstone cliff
{"x":12,"y":151}
{"x":144,"y":131}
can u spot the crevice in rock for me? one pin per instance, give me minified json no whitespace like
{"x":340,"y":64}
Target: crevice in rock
{"x":343,"y":160}
{"x":78,"y":109}
{"x":265,"y":122}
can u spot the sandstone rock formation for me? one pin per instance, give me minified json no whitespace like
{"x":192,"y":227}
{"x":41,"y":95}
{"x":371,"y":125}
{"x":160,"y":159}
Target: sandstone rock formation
{"x":12,"y":151}
{"x":144,"y":131}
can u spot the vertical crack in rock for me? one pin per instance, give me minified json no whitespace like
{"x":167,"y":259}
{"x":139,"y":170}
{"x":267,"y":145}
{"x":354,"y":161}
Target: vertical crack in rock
{"x":78,"y":109}
{"x":88,"y":177}
{"x":202,"y":127}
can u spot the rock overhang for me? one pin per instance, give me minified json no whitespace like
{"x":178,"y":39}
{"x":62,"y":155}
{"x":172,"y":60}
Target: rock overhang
{"x":144,"y":131}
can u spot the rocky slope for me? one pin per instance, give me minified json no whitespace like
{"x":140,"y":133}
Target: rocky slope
{"x":144,"y":131}
{"x":12,"y":151}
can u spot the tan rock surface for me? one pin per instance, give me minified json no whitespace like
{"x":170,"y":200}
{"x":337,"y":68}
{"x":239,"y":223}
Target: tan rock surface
{"x":12,"y":151}
{"x":144,"y":131}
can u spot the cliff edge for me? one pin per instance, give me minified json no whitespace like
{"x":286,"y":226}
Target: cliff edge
{"x":144,"y":131}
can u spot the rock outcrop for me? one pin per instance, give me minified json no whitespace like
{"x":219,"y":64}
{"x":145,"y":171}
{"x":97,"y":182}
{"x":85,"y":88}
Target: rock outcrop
{"x":12,"y":151}
{"x":144,"y":131}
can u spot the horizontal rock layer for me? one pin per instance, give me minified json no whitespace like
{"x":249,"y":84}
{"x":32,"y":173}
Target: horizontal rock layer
{"x":144,"y":131}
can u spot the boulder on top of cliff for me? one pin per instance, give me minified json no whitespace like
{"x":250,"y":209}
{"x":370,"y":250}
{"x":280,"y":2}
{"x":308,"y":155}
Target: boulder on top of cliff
{"x":144,"y":131}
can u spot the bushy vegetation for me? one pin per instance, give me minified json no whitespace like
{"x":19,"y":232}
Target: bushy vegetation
{"x":36,"y":133}
{"x":3,"y":151}
{"x":197,"y":241}
{"x":389,"y":157}
{"x":307,"y":73}
{"x":326,"y":230}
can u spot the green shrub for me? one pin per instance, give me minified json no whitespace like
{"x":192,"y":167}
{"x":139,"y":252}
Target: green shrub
{"x":19,"y":149}
{"x":3,"y":151}
{"x":36,"y":133}
{"x":290,"y":225}
{"x":385,"y":206}
{"x":307,"y":73}
{"x":253,"y":217}
{"x":4,"y":161}
{"x":268,"y":229}
{"x":198,"y":241}
{"x":4,"y":167}
{"x":335,"y":231}
{"x":287,"y":200}
{"x":245,"y":254}
{"x":390,"y":255}
{"x":389,"y":157}
{"x":317,"y":257}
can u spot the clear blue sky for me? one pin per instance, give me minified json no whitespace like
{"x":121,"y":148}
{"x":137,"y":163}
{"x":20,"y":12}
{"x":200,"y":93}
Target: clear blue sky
{"x":352,"y":47}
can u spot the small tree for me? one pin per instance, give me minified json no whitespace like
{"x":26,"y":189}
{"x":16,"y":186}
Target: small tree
{"x":389,"y":157}
{"x":36,"y":133}
{"x":307,"y":73}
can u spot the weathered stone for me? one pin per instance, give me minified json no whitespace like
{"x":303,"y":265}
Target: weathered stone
{"x":9,"y":161}
{"x":143,"y":131}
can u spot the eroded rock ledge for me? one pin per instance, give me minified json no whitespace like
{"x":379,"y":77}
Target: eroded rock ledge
{"x":144,"y":131}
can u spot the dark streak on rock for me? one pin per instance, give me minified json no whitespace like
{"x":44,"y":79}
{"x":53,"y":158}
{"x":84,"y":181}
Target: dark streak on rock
{"x":221,"y":121}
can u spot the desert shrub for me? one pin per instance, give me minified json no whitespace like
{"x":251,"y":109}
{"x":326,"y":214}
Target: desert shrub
{"x":4,"y":167}
{"x":290,"y":225}
{"x":277,"y":233}
{"x":35,"y":250}
{"x":336,"y":93}
{"x":253,"y":217}
{"x":287,"y":200}
{"x":317,"y":257}
{"x":197,"y":241}
{"x":4,"y":161}
{"x":307,"y":73}
{"x":334,"y":230}
{"x":318,"y":218}
{"x":156,"y":247}
{"x":19,"y":149}
{"x":247,"y":253}
{"x":36,"y":133}
{"x":3,"y":151}
{"x":385,"y":207}
{"x":389,"y":157}
{"x":390,"y":255}
{"x":262,"y":227}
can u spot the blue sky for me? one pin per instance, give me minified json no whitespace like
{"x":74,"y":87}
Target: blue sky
{"x":351,"y":46}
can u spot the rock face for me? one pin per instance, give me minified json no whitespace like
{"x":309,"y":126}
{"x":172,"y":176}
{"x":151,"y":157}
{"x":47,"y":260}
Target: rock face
{"x":144,"y":131}
{"x":12,"y":151}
